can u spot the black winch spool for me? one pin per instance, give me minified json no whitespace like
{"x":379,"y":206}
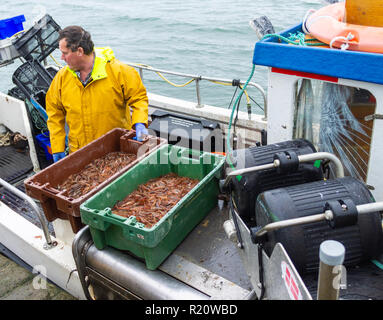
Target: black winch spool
{"x":360,"y":234}
{"x":245,"y":191}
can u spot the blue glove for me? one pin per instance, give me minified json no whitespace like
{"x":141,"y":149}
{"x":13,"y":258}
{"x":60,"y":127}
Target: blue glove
{"x":140,"y":131}
{"x":57,"y":156}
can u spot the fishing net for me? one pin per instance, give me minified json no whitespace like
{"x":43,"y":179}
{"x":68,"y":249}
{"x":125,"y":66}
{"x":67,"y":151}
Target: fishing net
{"x":323,"y":116}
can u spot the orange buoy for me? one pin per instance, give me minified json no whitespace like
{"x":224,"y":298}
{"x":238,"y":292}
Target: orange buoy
{"x":326,"y":25}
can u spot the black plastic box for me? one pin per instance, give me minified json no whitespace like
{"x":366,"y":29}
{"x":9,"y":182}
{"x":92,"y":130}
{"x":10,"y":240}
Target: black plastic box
{"x":183,"y":131}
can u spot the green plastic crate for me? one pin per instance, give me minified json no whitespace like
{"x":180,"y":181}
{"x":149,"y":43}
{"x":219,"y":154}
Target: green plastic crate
{"x":155,"y":244}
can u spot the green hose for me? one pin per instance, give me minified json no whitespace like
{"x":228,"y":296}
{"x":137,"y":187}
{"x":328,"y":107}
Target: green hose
{"x":378,"y":264}
{"x":293,"y":40}
{"x":231,"y":119}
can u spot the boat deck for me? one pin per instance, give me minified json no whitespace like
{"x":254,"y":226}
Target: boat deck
{"x":218,"y":254}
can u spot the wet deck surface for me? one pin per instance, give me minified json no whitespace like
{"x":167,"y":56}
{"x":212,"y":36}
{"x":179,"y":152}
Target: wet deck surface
{"x":207,"y":245}
{"x":18,"y":283}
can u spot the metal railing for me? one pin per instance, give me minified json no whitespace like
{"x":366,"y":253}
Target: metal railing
{"x":49,"y":243}
{"x":197,"y":79}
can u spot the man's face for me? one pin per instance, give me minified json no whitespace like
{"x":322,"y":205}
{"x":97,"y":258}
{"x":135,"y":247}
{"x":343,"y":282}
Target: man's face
{"x":72,"y":58}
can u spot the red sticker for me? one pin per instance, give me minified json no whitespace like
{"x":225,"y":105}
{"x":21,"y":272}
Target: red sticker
{"x":290,"y":282}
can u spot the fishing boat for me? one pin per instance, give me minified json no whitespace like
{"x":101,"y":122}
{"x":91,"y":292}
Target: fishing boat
{"x":296,"y":193}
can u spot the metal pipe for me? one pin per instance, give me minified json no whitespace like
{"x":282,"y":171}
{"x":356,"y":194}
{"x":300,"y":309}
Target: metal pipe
{"x":146,"y":67}
{"x":22,"y":195}
{"x":266,"y":166}
{"x":370,"y":207}
{"x":291,"y":222}
{"x":133,"y":275}
{"x":199,"y":104}
{"x":240,"y":172}
{"x":186,"y":75}
{"x":301,"y":158}
{"x":327,"y":215}
{"x":321,"y":156}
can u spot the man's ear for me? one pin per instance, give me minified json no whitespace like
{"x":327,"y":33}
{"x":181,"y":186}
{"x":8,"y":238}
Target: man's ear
{"x":80,"y":51}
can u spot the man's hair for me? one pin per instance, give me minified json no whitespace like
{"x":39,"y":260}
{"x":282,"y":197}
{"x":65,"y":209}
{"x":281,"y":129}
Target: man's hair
{"x":77,"y":37}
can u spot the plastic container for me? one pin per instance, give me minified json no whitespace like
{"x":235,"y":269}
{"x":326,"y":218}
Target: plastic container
{"x":189,"y":132}
{"x":10,"y":26}
{"x":155,"y":244}
{"x":8,"y":51}
{"x":40,"y":40}
{"x":56,"y":204}
{"x":45,"y":143}
{"x":32,"y":79}
{"x":16,"y":93}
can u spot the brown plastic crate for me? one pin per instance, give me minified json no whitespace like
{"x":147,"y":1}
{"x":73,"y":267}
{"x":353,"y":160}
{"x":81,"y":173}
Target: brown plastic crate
{"x":55,"y":203}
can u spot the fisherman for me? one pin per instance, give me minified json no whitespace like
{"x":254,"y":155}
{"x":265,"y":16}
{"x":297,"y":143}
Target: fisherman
{"x":93,"y":94}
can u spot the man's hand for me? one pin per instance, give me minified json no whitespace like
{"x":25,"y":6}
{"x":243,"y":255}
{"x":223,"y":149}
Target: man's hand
{"x":140,"y":131}
{"x":57,"y":156}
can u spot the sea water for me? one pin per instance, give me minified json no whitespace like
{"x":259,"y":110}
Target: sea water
{"x":210,"y":38}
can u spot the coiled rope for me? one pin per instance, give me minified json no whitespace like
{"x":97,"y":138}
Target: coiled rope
{"x":298,"y":38}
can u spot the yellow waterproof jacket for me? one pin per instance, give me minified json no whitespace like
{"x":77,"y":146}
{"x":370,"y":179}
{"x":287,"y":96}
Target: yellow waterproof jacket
{"x":105,"y":103}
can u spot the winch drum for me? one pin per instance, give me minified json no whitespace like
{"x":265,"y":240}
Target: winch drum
{"x":245,"y":191}
{"x":362,"y":241}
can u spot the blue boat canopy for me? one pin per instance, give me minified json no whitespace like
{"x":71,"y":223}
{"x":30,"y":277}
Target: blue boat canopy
{"x":354,"y":65}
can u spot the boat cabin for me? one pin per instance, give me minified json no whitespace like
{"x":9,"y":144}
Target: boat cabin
{"x":333,"y":98}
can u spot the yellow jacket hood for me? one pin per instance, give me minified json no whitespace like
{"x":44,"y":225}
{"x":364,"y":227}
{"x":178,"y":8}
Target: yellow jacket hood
{"x":103,"y":55}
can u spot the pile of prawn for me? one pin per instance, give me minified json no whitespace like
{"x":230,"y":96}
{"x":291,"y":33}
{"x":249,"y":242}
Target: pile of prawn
{"x":152,"y":200}
{"x":96,"y":172}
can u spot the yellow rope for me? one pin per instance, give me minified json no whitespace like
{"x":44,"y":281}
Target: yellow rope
{"x":17,"y":33}
{"x":190,"y":81}
{"x":174,"y":84}
{"x":60,"y":65}
{"x":247,"y":96}
{"x":5,"y":139}
{"x":168,"y":81}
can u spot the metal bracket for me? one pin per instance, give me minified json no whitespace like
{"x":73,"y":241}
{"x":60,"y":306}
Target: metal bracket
{"x":49,"y":243}
{"x":234,"y":218}
{"x":48,"y":246}
{"x":373,"y":117}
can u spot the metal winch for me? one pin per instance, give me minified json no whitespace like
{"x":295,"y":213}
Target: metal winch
{"x":361,"y":234}
{"x":245,"y":190}
{"x":283,"y":182}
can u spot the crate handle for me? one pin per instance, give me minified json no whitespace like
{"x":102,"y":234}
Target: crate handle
{"x":190,"y":154}
{"x":47,"y":187}
{"x":131,"y":134}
